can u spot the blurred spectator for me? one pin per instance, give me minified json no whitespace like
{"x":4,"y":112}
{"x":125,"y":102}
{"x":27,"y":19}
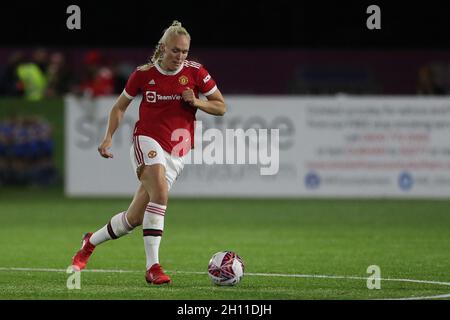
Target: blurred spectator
{"x":40,"y":58}
{"x":26,"y":152}
{"x":427,"y":83}
{"x":5,"y":134}
{"x":60,"y":78}
{"x":122,"y":72}
{"x":10,"y":83}
{"x":33,"y":75}
{"x":98,"y":79}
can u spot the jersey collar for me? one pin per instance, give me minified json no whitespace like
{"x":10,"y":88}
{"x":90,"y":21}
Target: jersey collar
{"x":168,"y":73}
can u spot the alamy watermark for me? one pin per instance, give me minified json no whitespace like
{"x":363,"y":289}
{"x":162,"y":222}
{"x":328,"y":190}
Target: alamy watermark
{"x":374,"y":280}
{"x":74,"y":20}
{"x":74,"y":280}
{"x":235,"y":146}
{"x":374,"y":20}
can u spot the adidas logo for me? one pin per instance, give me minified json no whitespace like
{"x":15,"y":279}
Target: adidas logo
{"x":151,"y":82}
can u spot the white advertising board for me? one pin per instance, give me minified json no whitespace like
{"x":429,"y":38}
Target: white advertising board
{"x":345,"y":146}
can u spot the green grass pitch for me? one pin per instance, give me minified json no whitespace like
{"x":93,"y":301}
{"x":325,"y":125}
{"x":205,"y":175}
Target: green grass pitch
{"x":291,"y":248}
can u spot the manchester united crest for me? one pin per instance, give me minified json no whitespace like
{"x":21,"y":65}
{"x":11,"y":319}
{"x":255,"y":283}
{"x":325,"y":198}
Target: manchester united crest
{"x":183,"y":80}
{"x":152,"y":154}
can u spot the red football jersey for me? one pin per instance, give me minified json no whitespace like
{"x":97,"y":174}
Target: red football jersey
{"x":162,"y":109}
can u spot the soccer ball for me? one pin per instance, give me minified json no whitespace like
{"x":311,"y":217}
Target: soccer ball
{"x":226,"y":268}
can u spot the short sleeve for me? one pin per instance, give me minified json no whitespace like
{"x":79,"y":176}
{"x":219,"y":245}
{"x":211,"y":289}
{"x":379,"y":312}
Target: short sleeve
{"x":205,"y":82}
{"x":133,"y":85}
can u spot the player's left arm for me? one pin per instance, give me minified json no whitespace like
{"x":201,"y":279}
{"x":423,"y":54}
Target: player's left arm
{"x":215,"y":104}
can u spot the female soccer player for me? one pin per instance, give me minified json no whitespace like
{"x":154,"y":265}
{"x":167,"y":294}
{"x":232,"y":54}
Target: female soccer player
{"x":170,"y":87}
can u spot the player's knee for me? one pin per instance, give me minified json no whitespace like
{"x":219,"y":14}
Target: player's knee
{"x":154,"y":181}
{"x":160,"y":195}
{"x":135,"y":221}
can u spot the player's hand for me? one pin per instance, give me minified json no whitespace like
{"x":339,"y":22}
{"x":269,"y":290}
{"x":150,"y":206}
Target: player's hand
{"x":189,"y":96}
{"x":103,"y":148}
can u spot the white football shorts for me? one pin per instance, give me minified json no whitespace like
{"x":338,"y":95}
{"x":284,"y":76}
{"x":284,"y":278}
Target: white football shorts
{"x":148,"y":151}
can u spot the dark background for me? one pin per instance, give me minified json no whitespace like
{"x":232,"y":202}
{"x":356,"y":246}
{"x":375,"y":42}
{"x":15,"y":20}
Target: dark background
{"x":276,"y":47}
{"x":306,"y":24}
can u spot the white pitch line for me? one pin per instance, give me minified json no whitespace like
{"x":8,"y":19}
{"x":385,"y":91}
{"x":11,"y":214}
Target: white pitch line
{"x":442,"y":296}
{"x":64,"y":270}
{"x":257,"y":274}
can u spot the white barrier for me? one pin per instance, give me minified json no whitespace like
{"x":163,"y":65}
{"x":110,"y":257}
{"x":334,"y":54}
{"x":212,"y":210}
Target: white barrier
{"x":328,"y":147}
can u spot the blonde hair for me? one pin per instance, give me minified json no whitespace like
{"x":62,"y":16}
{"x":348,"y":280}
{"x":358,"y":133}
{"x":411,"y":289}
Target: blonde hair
{"x":175,"y":29}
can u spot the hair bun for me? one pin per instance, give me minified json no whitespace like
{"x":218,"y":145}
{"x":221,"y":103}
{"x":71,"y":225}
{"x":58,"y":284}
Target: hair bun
{"x":176,"y":23}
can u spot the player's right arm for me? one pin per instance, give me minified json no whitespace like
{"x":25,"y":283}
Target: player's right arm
{"x":115,"y":117}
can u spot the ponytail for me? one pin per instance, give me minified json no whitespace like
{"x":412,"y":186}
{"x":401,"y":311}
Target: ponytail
{"x":175,"y":29}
